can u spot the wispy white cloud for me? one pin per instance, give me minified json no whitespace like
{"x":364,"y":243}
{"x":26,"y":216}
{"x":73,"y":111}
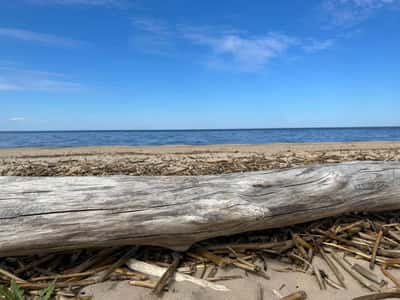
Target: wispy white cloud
{"x":17,"y":119}
{"x":352,"y":12}
{"x":20,"y":79}
{"x":153,"y":36}
{"x":6,"y":86}
{"x":37,"y":37}
{"x":223,"y":48}
{"x":245,"y":52}
{"x":312,"y":45}
{"x":151,"y":25}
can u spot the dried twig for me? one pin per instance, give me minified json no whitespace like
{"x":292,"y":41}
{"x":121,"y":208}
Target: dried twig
{"x":11,"y":276}
{"x":318,"y":276}
{"x":390,"y":276}
{"x":166,"y":278}
{"x":375,"y":250}
{"x":154,"y":270}
{"x":339,"y":276}
{"x":355,"y":275}
{"x":300,"y":295}
{"x":146,"y":284}
{"x":378,"y":296}
{"x":119,"y":263}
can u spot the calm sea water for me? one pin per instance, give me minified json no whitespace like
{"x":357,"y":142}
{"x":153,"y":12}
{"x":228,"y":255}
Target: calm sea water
{"x":196,"y":137}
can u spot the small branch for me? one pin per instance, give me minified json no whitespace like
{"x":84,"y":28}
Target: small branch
{"x":166,"y":278}
{"x":332,"y":266}
{"x":119,"y":263}
{"x":375,"y":250}
{"x":356,"y":276}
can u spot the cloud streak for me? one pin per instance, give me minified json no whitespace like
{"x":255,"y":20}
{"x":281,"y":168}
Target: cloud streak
{"x":151,"y":25}
{"x":40,"y":38}
{"x":153,"y":36}
{"x":345,"y":13}
{"x":223,"y":49}
{"x":248,"y":53}
{"x":13,"y":79}
{"x":7,"y":86}
{"x":312,"y":45}
{"x":17,"y":119}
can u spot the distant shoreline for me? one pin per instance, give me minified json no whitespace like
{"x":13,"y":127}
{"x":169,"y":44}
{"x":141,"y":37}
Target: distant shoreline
{"x":198,"y":129}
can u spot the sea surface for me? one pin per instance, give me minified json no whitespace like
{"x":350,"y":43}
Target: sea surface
{"x":194,"y":137}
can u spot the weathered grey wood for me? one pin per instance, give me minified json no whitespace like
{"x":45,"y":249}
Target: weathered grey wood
{"x":55,"y":213}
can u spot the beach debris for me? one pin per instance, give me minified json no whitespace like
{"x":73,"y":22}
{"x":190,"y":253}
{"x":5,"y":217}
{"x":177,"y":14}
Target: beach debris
{"x":354,"y":274}
{"x":277,"y":293}
{"x":11,"y":276}
{"x":119,"y":263}
{"x":167,"y":276}
{"x":157,"y":271}
{"x":375,"y":250}
{"x":260,"y":292}
{"x":92,"y":260}
{"x":178,"y":163}
{"x":206,"y":255}
{"x":364,"y":272}
{"x":146,"y":284}
{"x":300,"y":295}
{"x":338,"y":243}
{"x":389,"y":275}
{"x":395,"y":293}
{"x":331,"y":283}
{"x":339,"y":276}
{"x":212,"y":272}
{"x":318,"y":276}
{"x":224,"y":278}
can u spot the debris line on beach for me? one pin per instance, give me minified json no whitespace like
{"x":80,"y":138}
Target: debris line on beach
{"x":339,"y":242}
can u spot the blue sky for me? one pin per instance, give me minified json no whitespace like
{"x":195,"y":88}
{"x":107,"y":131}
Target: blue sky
{"x":146,"y":64}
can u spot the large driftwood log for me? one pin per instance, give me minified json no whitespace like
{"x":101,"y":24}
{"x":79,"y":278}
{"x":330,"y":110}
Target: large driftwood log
{"x":40,"y":214}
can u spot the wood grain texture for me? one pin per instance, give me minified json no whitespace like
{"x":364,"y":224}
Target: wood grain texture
{"x":40,"y":214}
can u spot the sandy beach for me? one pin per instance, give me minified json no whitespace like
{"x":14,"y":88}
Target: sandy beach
{"x":249,"y":287}
{"x":202,"y":160}
{"x":184,"y":159}
{"x":199,"y":150}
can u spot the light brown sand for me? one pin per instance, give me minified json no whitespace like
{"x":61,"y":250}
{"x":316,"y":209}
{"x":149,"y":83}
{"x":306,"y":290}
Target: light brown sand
{"x":185,"y":160}
{"x":247,"y":288}
{"x":187,"y":149}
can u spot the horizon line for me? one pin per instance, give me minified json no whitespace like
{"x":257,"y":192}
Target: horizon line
{"x":200,"y":129}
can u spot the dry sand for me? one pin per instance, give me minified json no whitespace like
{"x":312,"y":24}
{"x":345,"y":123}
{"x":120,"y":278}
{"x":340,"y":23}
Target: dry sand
{"x":190,"y":160}
{"x":185,"y":160}
{"x":247,"y":288}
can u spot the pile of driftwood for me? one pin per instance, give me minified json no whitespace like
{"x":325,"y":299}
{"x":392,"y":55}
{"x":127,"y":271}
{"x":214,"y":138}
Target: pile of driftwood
{"x":371,"y":237}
